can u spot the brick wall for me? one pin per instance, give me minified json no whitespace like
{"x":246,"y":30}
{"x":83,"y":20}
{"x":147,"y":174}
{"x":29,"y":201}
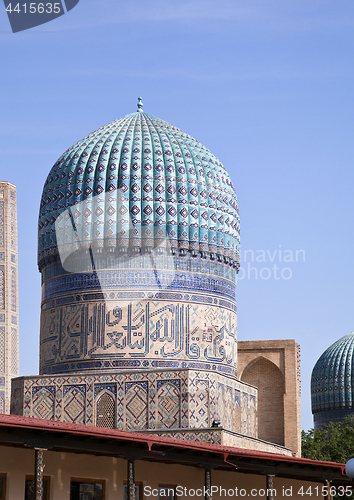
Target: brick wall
{"x":274,"y":367}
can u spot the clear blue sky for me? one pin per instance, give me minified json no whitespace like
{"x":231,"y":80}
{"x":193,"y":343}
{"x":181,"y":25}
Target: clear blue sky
{"x":266,"y":85}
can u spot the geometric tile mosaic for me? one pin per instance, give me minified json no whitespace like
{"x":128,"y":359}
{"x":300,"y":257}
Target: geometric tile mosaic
{"x":74,"y":404}
{"x":13,"y":290}
{"x":2,"y":349}
{"x":2,"y":402}
{"x":169,"y":403}
{"x":138,"y":400}
{"x":12,"y":226}
{"x":2,"y":287}
{"x":43,"y":402}
{"x":2,"y":225}
{"x":237,"y":413}
{"x":201,"y":399}
{"x":244,"y":413}
{"x":14,"y":351}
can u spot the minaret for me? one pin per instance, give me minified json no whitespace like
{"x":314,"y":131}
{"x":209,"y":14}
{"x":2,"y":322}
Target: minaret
{"x":9,"y":345}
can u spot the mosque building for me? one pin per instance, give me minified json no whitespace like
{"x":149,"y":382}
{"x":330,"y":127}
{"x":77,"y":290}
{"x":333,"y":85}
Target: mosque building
{"x":144,"y":389}
{"x":332,"y":383}
{"x":139,"y":249}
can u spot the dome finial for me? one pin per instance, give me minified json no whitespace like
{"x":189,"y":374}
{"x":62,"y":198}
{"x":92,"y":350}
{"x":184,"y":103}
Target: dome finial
{"x":140,"y":105}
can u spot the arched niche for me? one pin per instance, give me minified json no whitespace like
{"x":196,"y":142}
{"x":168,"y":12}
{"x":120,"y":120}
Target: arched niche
{"x":105,"y":411}
{"x":269,"y":380}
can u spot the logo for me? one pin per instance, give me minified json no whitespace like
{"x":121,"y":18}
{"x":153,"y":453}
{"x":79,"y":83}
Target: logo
{"x":26,"y":15}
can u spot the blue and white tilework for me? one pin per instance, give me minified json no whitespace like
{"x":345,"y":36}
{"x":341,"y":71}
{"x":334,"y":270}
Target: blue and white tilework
{"x":163,"y":399}
{"x":143,"y":169}
{"x":9,"y":344}
{"x":139,"y":252}
{"x":332,"y":382}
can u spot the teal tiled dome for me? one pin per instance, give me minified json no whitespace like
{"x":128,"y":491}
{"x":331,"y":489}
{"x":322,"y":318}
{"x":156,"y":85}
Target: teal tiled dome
{"x":139,"y":252}
{"x":167,"y":184}
{"x":332,"y":382}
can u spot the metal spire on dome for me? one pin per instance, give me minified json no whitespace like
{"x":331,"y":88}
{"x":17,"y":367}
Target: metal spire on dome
{"x":140,"y":105}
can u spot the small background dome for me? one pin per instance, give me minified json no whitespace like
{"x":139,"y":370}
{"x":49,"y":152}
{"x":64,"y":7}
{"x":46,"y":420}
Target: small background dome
{"x":332,"y":383}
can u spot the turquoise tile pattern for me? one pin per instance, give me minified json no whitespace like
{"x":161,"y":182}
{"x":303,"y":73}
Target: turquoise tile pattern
{"x":160,"y":399}
{"x":139,"y":253}
{"x":332,"y":382}
{"x":166,"y":181}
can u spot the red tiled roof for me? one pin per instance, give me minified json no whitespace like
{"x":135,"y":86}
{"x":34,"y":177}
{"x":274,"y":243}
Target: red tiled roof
{"x":20,"y":422}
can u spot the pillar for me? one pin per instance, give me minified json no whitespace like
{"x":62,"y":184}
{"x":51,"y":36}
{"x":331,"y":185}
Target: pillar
{"x":130,"y":480}
{"x":327,"y":490}
{"x":270,"y":486}
{"x":207,"y":484}
{"x":38,"y":473}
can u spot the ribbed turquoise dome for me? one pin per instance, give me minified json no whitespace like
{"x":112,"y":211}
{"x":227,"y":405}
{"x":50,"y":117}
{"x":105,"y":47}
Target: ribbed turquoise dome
{"x":332,"y":382}
{"x":168,"y":184}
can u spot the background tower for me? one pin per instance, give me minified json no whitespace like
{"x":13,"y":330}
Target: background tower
{"x":9,"y":346}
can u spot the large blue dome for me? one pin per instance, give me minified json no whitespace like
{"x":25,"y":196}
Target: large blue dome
{"x":139,"y":252}
{"x":332,"y":382}
{"x":168,"y":181}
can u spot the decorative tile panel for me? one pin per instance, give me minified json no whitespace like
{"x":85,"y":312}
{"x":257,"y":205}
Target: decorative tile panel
{"x":2,"y":287}
{"x":2,"y":224}
{"x":43,"y":402}
{"x":14,"y":351}
{"x":13,"y":290}
{"x":138,"y":400}
{"x":2,"y":349}
{"x":136,"y":404}
{"x":2,"y":402}
{"x":12,"y":227}
{"x":237,"y":414}
{"x":150,"y":334}
{"x":74,"y":397}
{"x":168,"y":394}
{"x":244,"y":413}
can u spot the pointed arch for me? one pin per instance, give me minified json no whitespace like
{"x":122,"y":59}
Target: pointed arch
{"x":105,"y":411}
{"x":269,"y":380}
